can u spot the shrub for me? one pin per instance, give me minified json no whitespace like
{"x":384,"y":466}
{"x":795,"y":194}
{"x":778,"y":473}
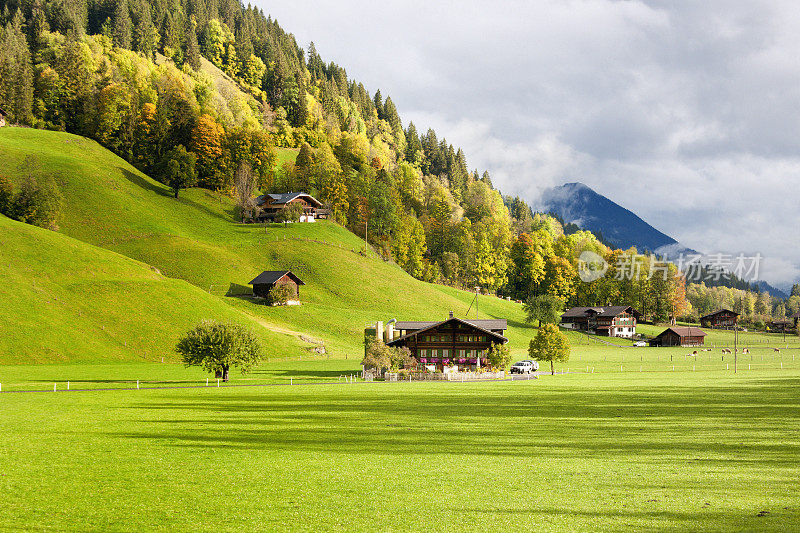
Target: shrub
{"x":6,"y":195}
{"x":499,"y":356}
{"x":36,"y":204}
{"x":279,"y":295}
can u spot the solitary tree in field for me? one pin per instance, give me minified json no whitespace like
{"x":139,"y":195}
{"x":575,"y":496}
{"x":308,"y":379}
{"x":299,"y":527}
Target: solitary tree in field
{"x":549,"y":345}
{"x":217,"y":346}
{"x":544,"y":308}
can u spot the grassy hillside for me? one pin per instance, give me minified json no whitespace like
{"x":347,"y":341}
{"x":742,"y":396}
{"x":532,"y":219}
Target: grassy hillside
{"x":64,"y":300}
{"x":111,"y":205}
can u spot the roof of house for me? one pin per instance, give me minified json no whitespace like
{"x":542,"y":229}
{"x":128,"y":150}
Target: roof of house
{"x":606,"y":311}
{"x":285,"y":198}
{"x":782,"y":321}
{"x":432,"y":325}
{"x":684,"y":331}
{"x":490,"y":324}
{"x":268,"y":277}
{"x":709,"y":315}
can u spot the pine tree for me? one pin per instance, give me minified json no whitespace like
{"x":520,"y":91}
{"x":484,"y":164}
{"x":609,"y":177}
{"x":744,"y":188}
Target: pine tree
{"x":16,"y":72}
{"x":122,"y":25}
{"x":192,"y":49}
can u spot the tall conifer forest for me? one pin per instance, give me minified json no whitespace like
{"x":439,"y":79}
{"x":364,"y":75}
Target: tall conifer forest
{"x":189,"y":91}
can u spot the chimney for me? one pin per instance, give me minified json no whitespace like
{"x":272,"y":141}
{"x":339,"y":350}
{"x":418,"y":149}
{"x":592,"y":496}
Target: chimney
{"x":451,"y":314}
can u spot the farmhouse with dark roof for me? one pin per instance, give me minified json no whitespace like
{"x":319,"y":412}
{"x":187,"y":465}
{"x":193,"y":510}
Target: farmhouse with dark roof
{"x":269,"y":205}
{"x":453,"y":342}
{"x":724,"y":318}
{"x":609,"y":321}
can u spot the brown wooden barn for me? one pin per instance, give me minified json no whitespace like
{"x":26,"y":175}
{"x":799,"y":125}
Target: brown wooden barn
{"x":268,"y":206}
{"x":264,"y":282}
{"x":781,"y":325}
{"x":679,"y":336}
{"x":451,"y":342}
{"x":724,"y":318}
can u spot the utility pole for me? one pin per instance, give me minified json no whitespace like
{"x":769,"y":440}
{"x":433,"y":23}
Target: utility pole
{"x":477,"y":290}
{"x":735,"y":347}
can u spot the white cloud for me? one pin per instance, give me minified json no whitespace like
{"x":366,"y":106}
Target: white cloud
{"x":684,"y":112}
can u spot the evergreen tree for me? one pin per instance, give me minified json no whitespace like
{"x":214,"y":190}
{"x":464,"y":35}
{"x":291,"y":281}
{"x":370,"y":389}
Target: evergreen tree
{"x":192,"y":48}
{"x":16,"y":72}
{"x":122,"y":25}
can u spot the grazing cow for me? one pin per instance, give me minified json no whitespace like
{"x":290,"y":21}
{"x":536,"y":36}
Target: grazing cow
{"x":777,"y":349}
{"x":746,"y":350}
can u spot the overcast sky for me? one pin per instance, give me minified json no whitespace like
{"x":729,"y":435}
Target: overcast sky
{"x":687,"y":113}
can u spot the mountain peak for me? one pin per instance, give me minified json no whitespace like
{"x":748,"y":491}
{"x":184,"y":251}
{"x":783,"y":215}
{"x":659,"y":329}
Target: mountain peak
{"x":581,"y":205}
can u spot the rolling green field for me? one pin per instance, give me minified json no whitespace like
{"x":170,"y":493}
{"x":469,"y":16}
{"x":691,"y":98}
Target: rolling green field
{"x":621,"y":438}
{"x":704,"y":451}
{"x":110,"y":205}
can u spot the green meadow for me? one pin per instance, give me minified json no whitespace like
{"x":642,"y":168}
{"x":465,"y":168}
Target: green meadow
{"x":704,"y":451}
{"x":103,"y":429}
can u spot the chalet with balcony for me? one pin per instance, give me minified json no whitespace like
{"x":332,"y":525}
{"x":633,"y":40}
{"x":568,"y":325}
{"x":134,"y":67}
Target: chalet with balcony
{"x":269,"y":205}
{"x":453,"y":342}
{"x":608,"y":321}
{"x":679,"y":336}
{"x":723,"y":318}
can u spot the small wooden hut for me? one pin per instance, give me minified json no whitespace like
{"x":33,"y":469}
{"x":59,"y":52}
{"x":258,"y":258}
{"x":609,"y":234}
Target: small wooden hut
{"x":267,"y":280}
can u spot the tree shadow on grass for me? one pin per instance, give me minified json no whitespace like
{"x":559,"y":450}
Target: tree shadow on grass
{"x":748,"y":425}
{"x":163,"y":190}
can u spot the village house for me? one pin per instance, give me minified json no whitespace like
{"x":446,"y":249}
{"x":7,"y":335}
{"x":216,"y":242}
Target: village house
{"x":269,"y":279}
{"x":269,"y":205}
{"x":608,"y":321}
{"x":453,"y":342}
{"x":723,"y":318}
{"x":781,"y":325}
{"x":679,"y":336}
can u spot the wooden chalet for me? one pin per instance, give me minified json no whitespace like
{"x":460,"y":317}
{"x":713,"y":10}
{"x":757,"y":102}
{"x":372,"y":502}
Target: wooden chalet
{"x":267,"y":280}
{"x":452,"y":342}
{"x":269,"y":205}
{"x":608,"y":321}
{"x":679,"y":336}
{"x":724,"y":318}
{"x":781,"y":325}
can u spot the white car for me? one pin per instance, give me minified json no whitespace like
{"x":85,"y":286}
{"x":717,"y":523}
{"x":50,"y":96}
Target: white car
{"x":524,"y":367}
{"x":639,"y":344}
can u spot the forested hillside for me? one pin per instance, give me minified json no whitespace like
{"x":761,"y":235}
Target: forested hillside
{"x":202,"y":92}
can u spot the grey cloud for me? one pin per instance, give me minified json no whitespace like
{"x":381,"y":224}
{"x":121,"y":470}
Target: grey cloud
{"x":684,"y":112}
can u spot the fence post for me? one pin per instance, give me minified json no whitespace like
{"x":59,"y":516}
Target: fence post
{"x":54,"y":387}
{"x":137,"y":384}
{"x":67,"y":385}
